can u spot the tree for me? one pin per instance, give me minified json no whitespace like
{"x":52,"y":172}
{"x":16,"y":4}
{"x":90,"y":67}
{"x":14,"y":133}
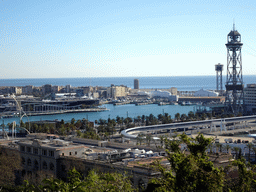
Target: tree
{"x":10,"y":162}
{"x":148,"y":139}
{"x":236,"y":149}
{"x":227,"y":147}
{"x":191,"y":115}
{"x":177,"y":116}
{"x":246,"y":177}
{"x":94,"y":182}
{"x":139,"y":138}
{"x":183,"y":117}
{"x":188,"y":172}
{"x":254,"y":150}
{"x":249,"y":146}
{"x":73,"y":121}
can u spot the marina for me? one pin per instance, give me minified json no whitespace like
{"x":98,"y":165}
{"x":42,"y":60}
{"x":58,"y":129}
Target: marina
{"x":129,"y":110}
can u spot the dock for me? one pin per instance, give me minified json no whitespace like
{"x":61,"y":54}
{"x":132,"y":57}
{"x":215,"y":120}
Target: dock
{"x":58,"y":112}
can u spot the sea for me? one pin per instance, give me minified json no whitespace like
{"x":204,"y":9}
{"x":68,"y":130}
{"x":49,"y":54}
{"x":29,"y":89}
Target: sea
{"x":182,"y":83}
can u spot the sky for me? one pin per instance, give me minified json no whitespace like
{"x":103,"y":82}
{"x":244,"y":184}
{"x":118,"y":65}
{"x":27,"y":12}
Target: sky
{"x":121,"y":38}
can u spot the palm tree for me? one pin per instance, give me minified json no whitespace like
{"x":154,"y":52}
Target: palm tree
{"x":227,"y":147}
{"x":139,"y":138}
{"x":254,"y":150}
{"x":162,"y":138}
{"x":249,"y":146}
{"x":148,"y":139}
{"x":177,"y":116}
{"x":191,"y":115}
{"x":236,"y":149}
{"x":219,"y":147}
{"x":210,"y":147}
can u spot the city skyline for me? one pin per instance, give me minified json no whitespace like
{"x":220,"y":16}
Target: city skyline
{"x":45,"y":39}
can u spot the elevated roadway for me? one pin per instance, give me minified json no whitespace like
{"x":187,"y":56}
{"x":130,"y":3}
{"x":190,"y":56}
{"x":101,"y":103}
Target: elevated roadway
{"x":129,"y":133}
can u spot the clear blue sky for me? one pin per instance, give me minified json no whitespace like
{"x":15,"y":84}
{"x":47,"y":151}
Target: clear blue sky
{"x":118,"y":38}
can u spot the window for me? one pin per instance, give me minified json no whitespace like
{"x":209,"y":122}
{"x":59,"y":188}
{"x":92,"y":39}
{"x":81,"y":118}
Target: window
{"x":62,"y":154}
{"x":36,"y":165}
{"x":23,"y":173}
{"x":51,"y":153}
{"x":23,"y":161}
{"x":35,"y":150}
{"x":44,"y":165}
{"x":44,"y":152}
{"x":70,"y":153}
{"x":28,"y":149}
{"x":29,"y":162}
{"x":51,"y":166}
{"x":22,"y":148}
{"x":63,"y":168}
{"x":75,"y":152}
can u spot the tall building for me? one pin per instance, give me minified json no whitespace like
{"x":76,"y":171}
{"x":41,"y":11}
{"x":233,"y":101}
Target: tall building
{"x":250,"y":98}
{"x":234,"y":82}
{"x":68,"y":88}
{"x":46,"y":89}
{"x":136,"y":84}
{"x":117,"y":91}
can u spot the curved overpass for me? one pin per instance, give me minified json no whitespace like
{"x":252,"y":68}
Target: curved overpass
{"x":127,"y":132}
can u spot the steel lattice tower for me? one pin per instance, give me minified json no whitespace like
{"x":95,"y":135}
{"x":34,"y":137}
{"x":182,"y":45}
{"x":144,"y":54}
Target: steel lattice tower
{"x":219,"y":69}
{"x":234,"y":81}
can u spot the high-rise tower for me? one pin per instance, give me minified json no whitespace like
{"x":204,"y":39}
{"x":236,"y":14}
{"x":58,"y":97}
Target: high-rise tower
{"x":234,"y":81}
{"x":136,"y":83}
{"x":219,"y":69}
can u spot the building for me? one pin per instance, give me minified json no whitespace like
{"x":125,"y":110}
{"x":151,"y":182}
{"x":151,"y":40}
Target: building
{"x":136,"y":84}
{"x":43,"y":155}
{"x":68,"y":88}
{"x":116,"y":91}
{"x":163,"y":94}
{"x":46,"y":89}
{"x":56,"y":89}
{"x":205,"y":93}
{"x":28,"y":89}
{"x":250,"y":98}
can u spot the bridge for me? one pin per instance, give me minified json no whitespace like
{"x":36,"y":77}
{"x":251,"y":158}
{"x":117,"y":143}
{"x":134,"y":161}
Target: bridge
{"x":128,"y":133}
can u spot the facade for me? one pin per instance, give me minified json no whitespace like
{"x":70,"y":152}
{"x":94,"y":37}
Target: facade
{"x":116,"y":91}
{"x":27,"y":89}
{"x":43,"y":155}
{"x":250,"y":98}
{"x":136,"y":84}
{"x":46,"y":89}
{"x":68,"y":88}
{"x":56,"y":89}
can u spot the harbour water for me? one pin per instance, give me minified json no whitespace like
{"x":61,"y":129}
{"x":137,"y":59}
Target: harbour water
{"x":129,"y":110}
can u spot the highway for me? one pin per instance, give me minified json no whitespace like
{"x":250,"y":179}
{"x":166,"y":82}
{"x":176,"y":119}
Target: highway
{"x":174,"y":126}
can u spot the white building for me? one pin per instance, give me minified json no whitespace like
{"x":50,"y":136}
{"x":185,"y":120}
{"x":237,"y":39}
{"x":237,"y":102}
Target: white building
{"x":164,"y":94}
{"x":205,"y":93}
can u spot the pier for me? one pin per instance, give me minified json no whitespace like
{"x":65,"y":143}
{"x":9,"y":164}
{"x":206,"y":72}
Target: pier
{"x":15,"y":114}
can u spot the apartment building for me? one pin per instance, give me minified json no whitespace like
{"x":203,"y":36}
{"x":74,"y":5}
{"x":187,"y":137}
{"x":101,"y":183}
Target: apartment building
{"x":250,"y":98}
{"x":116,"y":91}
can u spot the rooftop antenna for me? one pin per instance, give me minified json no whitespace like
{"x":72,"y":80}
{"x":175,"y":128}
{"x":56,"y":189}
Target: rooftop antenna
{"x":234,"y":24}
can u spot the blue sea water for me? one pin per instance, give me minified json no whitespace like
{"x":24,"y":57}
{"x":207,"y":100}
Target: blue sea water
{"x":182,"y":83}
